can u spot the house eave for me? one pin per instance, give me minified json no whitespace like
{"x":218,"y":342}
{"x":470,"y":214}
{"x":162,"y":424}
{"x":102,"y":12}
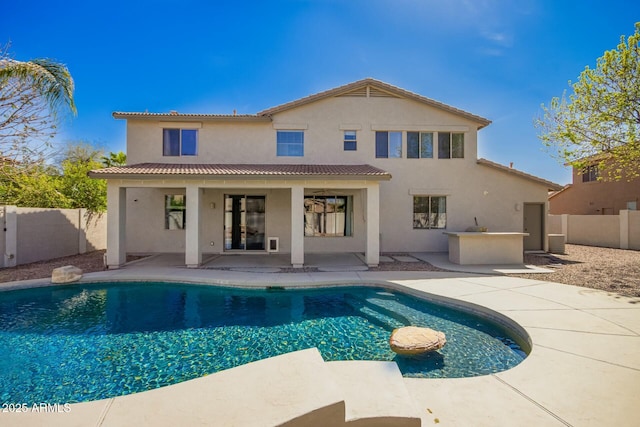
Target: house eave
{"x":181,"y":117}
{"x":265,"y":172}
{"x":550,"y":185}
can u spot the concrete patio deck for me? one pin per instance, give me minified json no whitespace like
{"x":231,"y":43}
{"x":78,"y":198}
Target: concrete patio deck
{"x":583,"y":370}
{"x":328,"y":262}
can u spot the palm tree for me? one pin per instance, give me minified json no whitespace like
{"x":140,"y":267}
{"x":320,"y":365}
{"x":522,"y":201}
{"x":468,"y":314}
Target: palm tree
{"x":50,"y":79}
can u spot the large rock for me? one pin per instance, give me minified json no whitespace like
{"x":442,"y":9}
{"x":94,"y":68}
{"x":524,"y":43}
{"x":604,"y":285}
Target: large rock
{"x":413,"y":340}
{"x":66,"y":274}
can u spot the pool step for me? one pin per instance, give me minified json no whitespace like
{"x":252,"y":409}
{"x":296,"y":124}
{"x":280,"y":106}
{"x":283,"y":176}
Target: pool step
{"x":296,"y":389}
{"x":378,"y":314}
{"x":375,"y":394}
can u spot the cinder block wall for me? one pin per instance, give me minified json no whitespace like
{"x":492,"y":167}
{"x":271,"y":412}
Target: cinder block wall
{"x":612,"y":231}
{"x":36,"y":234}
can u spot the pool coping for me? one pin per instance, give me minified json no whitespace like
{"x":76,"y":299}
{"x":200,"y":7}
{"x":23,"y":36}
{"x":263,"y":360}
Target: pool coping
{"x":560,"y":383}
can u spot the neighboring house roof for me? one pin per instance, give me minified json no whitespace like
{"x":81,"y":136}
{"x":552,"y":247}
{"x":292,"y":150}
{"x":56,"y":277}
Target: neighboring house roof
{"x":373,"y":87}
{"x":555,"y":193}
{"x":550,"y":185}
{"x":241,"y":170}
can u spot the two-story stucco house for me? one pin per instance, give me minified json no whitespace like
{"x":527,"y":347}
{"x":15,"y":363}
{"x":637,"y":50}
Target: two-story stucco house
{"x":589,"y":195}
{"x":365,"y":167}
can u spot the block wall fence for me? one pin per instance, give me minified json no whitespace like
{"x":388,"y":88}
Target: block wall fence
{"x":611,"y":231}
{"x":36,"y":234}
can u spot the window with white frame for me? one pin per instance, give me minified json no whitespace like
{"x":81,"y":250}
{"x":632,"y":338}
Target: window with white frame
{"x":388,"y":144}
{"x":290,"y":143}
{"x":450,"y":145}
{"x":429,"y":212}
{"x":350,"y":140}
{"x":419,"y":145}
{"x":179,"y":142}
{"x":328,"y":216}
{"x":175,"y":211}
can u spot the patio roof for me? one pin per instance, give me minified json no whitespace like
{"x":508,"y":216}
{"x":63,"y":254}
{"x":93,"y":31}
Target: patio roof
{"x":162,"y":170}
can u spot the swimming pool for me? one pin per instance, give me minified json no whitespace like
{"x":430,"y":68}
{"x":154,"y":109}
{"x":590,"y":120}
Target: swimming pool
{"x":85,"y":342}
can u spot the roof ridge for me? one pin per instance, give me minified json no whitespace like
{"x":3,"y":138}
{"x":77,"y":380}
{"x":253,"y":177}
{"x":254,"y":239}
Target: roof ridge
{"x":373,"y":82}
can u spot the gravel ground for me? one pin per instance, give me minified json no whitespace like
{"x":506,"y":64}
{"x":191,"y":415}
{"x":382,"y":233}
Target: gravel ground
{"x":613,"y":270}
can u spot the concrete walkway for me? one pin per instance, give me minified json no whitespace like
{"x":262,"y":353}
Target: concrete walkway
{"x":583,"y":370}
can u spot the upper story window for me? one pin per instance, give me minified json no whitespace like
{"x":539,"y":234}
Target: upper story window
{"x":450,"y":145}
{"x":388,"y":144}
{"x":350,"y":140}
{"x":419,"y":145}
{"x":179,"y":142}
{"x":590,"y":174}
{"x":290,"y":143}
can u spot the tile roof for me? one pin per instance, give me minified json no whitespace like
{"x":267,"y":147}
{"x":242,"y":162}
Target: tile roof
{"x":550,"y":185}
{"x":175,"y":116}
{"x":265,"y":115}
{"x":239,"y":170}
{"x":375,"y":83}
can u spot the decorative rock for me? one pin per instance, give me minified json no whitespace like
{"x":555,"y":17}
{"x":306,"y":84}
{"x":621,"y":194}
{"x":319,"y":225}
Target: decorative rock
{"x":414,"y":340}
{"x":477,"y":229}
{"x":66,"y":274}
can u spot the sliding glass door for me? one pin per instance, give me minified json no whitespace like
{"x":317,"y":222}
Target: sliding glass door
{"x":244,"y":222}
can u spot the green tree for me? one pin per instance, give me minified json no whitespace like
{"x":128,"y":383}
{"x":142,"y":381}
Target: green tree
{"x":65,"y":186}
{"x":82,"y":191}
{"x":600,"y":121}
{"x":37,"y":187}
{"x":114,"y":159}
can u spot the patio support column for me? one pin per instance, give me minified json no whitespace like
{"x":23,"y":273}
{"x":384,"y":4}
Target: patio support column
{"x":193,"y":252}
{"x":116,"y":225}
{"x":297,"y":226}
{"x":372,"y":252}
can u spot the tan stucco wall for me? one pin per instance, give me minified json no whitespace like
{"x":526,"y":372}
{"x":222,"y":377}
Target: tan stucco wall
{"x":634,"y":230}
{"x":44,"y":234}
{"x":595,"y":198}
{"x":149,"y":234}
{"x":614,"y":231}
{"x":594,"y":230}
{"x":494,"y":197}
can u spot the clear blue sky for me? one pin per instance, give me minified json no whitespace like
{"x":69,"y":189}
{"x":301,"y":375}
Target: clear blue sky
{"x":494,"y":58}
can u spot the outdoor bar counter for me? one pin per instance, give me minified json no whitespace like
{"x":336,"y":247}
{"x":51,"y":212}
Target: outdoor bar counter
{"x":472,"y":247}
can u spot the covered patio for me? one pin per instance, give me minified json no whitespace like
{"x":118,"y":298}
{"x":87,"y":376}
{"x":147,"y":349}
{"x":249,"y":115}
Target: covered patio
{"x":205,"y":187}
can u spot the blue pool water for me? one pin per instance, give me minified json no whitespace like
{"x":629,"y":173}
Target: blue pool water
{"x":85,"y":342}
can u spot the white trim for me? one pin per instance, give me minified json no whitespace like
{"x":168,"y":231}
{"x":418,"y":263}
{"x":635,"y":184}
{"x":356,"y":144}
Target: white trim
{"x":422,"y":128}
{"x":181,"y":125}
{"x":290,"y":126}
{"x":350,"y":127}
{"x":430,"y":191}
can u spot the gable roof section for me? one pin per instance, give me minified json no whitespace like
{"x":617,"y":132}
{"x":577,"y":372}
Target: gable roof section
{"x":374,"y":88}
{"x":550,"y":185}
{"x":361,"y":88}
{"x":163,"y":170}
